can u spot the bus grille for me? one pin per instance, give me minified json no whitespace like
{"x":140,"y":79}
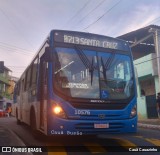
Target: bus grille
{"x":89,"y":127}
{"x":98,"y":106}
{"x":99,"y":117}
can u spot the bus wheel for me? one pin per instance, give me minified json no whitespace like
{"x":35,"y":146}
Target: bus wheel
{"x":34,"y":131}
{"x":18,"y":121}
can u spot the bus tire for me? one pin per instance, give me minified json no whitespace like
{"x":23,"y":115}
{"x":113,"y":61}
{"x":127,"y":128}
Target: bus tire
{"x":34,"y":131}
{"x":18,"y":121}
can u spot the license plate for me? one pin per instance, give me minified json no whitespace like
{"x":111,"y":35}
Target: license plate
{"x":101,"y":125}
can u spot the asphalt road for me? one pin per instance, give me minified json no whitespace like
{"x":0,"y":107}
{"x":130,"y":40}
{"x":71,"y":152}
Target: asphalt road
{"x":100,"y":145}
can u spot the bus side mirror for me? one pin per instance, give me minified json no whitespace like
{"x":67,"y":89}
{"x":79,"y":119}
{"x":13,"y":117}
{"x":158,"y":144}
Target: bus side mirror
{"x":48,"y":54}
{"x":1,"y":66}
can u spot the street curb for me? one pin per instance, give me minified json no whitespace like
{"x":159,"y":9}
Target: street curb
{"x":149,"y":126}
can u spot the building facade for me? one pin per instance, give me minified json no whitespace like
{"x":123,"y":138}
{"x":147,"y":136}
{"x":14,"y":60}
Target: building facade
{"x":147,"y":86}
{"x":5,"y":83}
{"x":145,"y":46}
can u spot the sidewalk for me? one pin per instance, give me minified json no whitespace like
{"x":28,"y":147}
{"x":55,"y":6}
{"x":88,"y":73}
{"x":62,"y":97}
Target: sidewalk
{"x":149,"y":124}
{"x":9,"y":138}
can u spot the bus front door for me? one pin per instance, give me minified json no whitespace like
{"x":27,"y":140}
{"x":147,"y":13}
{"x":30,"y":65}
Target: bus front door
{"x":43,"y":92}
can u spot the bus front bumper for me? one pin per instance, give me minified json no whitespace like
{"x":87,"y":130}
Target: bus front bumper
{"x":91,"y":127}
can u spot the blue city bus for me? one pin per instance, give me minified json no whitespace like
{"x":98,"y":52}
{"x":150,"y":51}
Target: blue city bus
{"x":78,"y":84}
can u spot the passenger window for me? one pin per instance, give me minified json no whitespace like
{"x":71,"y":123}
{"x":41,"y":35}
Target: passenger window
{"x":23,"y":88}
{"x":34,"y":73}
{"x":18,"y":88}
{"x":28,"y":79}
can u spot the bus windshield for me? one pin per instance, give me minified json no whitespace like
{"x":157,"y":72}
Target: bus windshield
{"x":83,"y":73}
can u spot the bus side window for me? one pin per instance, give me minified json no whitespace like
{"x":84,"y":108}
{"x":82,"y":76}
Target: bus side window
{"x":18,"y":88}
{"x":23,"y":85}
{"x":44,"y":70}
{"x":34,"y":73}
{"x":34,"y":77}
{"x":27,"y":79}
{"x":15,"y":94}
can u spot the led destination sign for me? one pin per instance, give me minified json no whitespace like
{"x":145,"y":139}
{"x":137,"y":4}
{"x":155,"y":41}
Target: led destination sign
{"x":90,"y":42}
{"x":88,"y":39}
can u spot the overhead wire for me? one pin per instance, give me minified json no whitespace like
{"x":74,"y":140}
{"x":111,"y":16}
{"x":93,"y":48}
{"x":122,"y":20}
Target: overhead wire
{"x":17,"y":29}
{"x":13,"y":51}
{"x":17,"y":66}
{"x":15,"y":47}
{"x":103,"y":15}
{"x":78,"y":12}
{"x":20,"y":70}
{"x":17,"y":69}
{"x":147,"y":60}
{"x":95,"y":21}
{"x":149,"y":23}
{"x":152,"y":22}
{"x":98,"y":5}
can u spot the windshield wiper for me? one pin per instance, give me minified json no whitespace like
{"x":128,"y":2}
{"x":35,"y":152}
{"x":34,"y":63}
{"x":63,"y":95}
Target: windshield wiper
{"x":91,"y":70}
{"x":109,"y":61}
{"x":104,"y":70}
{"x":86,"y":61}
{"x":107,"y":65}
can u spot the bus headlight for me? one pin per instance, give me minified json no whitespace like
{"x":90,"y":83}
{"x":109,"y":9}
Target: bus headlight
{"x":58,"y":111}
{"x":133,"y":112}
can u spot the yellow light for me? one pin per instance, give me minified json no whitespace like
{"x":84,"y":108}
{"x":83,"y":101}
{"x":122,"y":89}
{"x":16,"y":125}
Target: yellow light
{"x":57,"y":110}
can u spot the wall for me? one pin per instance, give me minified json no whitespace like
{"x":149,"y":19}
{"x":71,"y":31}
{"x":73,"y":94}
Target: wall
{"x":148,"y":85}
{"x":156,"y":84}
{"x":141,"y":107}
{"x":147,"y":80}
{"x":146,"y":65}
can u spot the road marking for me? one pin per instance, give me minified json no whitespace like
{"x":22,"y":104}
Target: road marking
{"x":138,"y":136}
{"x":57,"y":149}
{"x":153,"y":141}
{"x":95,"y":148}
{"x":57,"y":153}
{"x":125,"y":143}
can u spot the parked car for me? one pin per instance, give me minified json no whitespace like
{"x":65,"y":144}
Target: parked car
{"x":2,"y":113}
{"x":4,"y":105}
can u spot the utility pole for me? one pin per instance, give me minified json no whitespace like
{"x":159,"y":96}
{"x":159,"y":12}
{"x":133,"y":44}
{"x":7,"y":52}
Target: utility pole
{"x":157,"y":49}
